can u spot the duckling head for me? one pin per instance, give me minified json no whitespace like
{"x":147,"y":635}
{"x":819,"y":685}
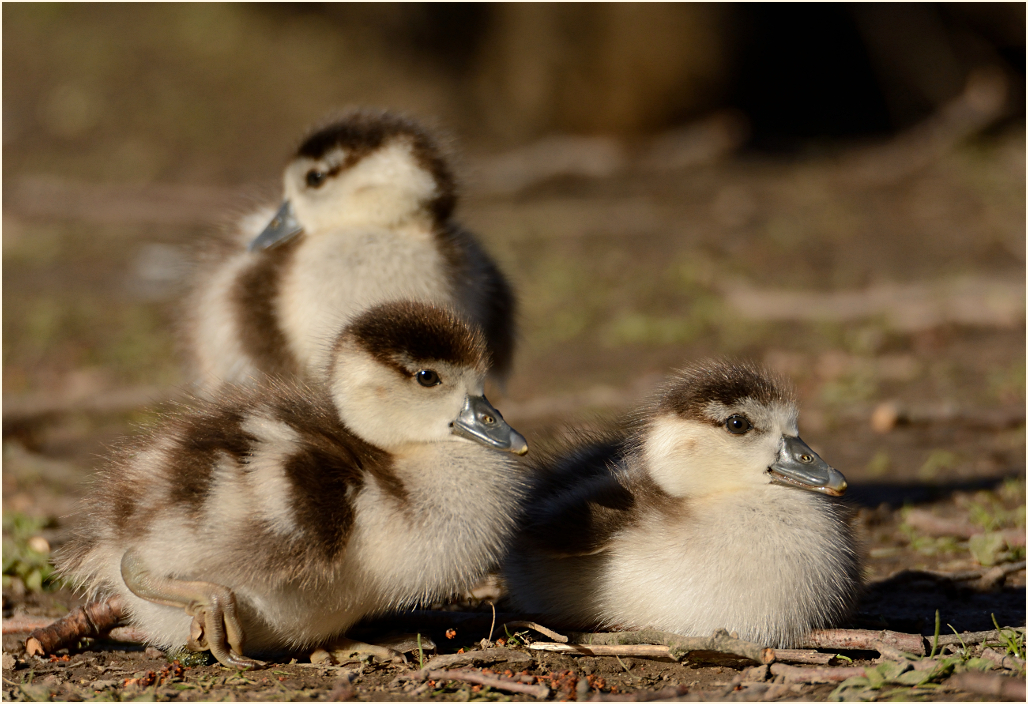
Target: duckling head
{"x":722,"y":427}
{"x":405,"y":373}
{"x":367,"y":168}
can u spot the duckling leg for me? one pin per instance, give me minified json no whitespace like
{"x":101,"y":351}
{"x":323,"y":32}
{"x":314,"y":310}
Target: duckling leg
{"x":213,"y":608}
{"x":344,"y":648}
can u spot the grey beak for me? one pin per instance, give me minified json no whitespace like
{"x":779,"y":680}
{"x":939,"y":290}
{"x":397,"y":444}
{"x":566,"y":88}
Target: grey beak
{"x":479,"y":421}
{"x":282,"y":228}
{"x":797,"y":465}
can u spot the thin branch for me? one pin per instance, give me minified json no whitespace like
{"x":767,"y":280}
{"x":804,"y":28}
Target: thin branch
{"x":976,"y":637}
{"x":860,"y":639}
{"x":479,"y":657}
{"x":679,"y":646}
{"x":805,"y":657}
{"x":641,"y":651}
{"x":90,"y":621}
{"x":1007,"y":662}
{"x":963,"y":575}
{"x":539,"y":691}
{"x":36,"y":408}
{"x":536,"y":627}
{"x":24,"y":624}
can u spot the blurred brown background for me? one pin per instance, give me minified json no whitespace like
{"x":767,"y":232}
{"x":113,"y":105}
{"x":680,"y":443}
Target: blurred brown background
{"x":835,"y":190}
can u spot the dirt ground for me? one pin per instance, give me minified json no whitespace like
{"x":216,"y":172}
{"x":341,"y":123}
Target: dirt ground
{"x":886,"y":280}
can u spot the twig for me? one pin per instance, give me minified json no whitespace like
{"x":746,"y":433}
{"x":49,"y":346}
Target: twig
{"x":1008,"y":662}
{"x":806,"y":657}
{"x":24,"y":624}
{"x":539,"y":691}
{"x":39,"y":407}
{"x":889,"y":652}
{"x":679,"y":646}
{"x":641,"y":651}
{"x":89,"y":621}
{"x":976,"y":637}
{"x":479,"y":657}
{"x":536,"y":627}
{"x":860,"y":639}
{"x":1010,"y":688}
{"x":814,"y":675}
{"x":966,"y":575}
{"x":493,"y":624}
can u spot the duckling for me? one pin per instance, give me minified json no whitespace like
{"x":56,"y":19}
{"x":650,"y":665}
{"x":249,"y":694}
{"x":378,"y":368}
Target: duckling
{"x":709,"y":513}
{"x":366,"y":218}
{"x":271,"y":519}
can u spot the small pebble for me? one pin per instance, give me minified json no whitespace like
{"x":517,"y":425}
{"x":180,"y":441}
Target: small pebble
{"x":8,"y":661}
{"x":152,"y":652}
{"x":39,"y":544}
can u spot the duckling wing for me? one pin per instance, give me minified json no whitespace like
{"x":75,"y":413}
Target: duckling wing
{"x":579,"y":503}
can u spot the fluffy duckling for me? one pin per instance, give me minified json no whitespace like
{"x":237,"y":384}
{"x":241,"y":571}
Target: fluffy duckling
{"x":712,"y":513}
{"x":366,"y":218}
{"x":274,"y":518}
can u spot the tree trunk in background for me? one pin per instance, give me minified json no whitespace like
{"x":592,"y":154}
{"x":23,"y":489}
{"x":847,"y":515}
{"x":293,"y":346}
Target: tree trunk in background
{"x":614,"y":68}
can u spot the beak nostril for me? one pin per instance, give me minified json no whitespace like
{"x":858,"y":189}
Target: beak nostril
{"x":806,"y":459}
{"x":488,"y":420}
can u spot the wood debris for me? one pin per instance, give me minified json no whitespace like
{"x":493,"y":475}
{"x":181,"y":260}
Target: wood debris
{"x":988,"y":684}
{"x":860,"y":639}
{"x":679,"y":646}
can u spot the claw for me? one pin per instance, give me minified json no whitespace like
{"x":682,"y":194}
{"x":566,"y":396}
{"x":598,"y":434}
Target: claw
{"x":215,"y":625}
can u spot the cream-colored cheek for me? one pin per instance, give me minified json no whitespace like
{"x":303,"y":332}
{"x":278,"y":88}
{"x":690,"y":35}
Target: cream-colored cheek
{"x":692,"y":459}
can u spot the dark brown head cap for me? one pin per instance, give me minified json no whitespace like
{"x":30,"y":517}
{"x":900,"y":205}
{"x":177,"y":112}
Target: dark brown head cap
{"x":362,"y":132}
{"x":689,"y":391}
{"x":417,"y":332}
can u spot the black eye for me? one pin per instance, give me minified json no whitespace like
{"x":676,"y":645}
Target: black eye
{"x":738,"y":425}
{"x":427,"y":377}
{"x":315,"y":178}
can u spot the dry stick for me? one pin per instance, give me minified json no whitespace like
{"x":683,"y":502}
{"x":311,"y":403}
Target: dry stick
{"x":1011,"y":688}
{"x":806,"y":657}
{"x":641,"y":651}
{"x":679,"y":646}
{"x":860,"y":639}
{"x":976,"y":637}
{"x":1008,"y":662}
{"x":89,"y":621}
{"x":24,"y":624}
{"x":539,"y":691}
{"x":815,"y":675}
{"x":964,"y":575}
{"x":536,"y":627}
{"x":493,"y":624}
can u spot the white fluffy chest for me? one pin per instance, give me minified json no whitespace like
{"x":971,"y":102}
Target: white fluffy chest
{"x":454,"y":526}
{"x":769,"y":567}
{"x":336,"y":275}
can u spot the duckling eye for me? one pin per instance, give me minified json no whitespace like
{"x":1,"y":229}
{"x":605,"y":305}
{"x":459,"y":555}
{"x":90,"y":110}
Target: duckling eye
{"x":315,"y":178}
{"x":427,"y":377}
{"x":738,"y":425}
